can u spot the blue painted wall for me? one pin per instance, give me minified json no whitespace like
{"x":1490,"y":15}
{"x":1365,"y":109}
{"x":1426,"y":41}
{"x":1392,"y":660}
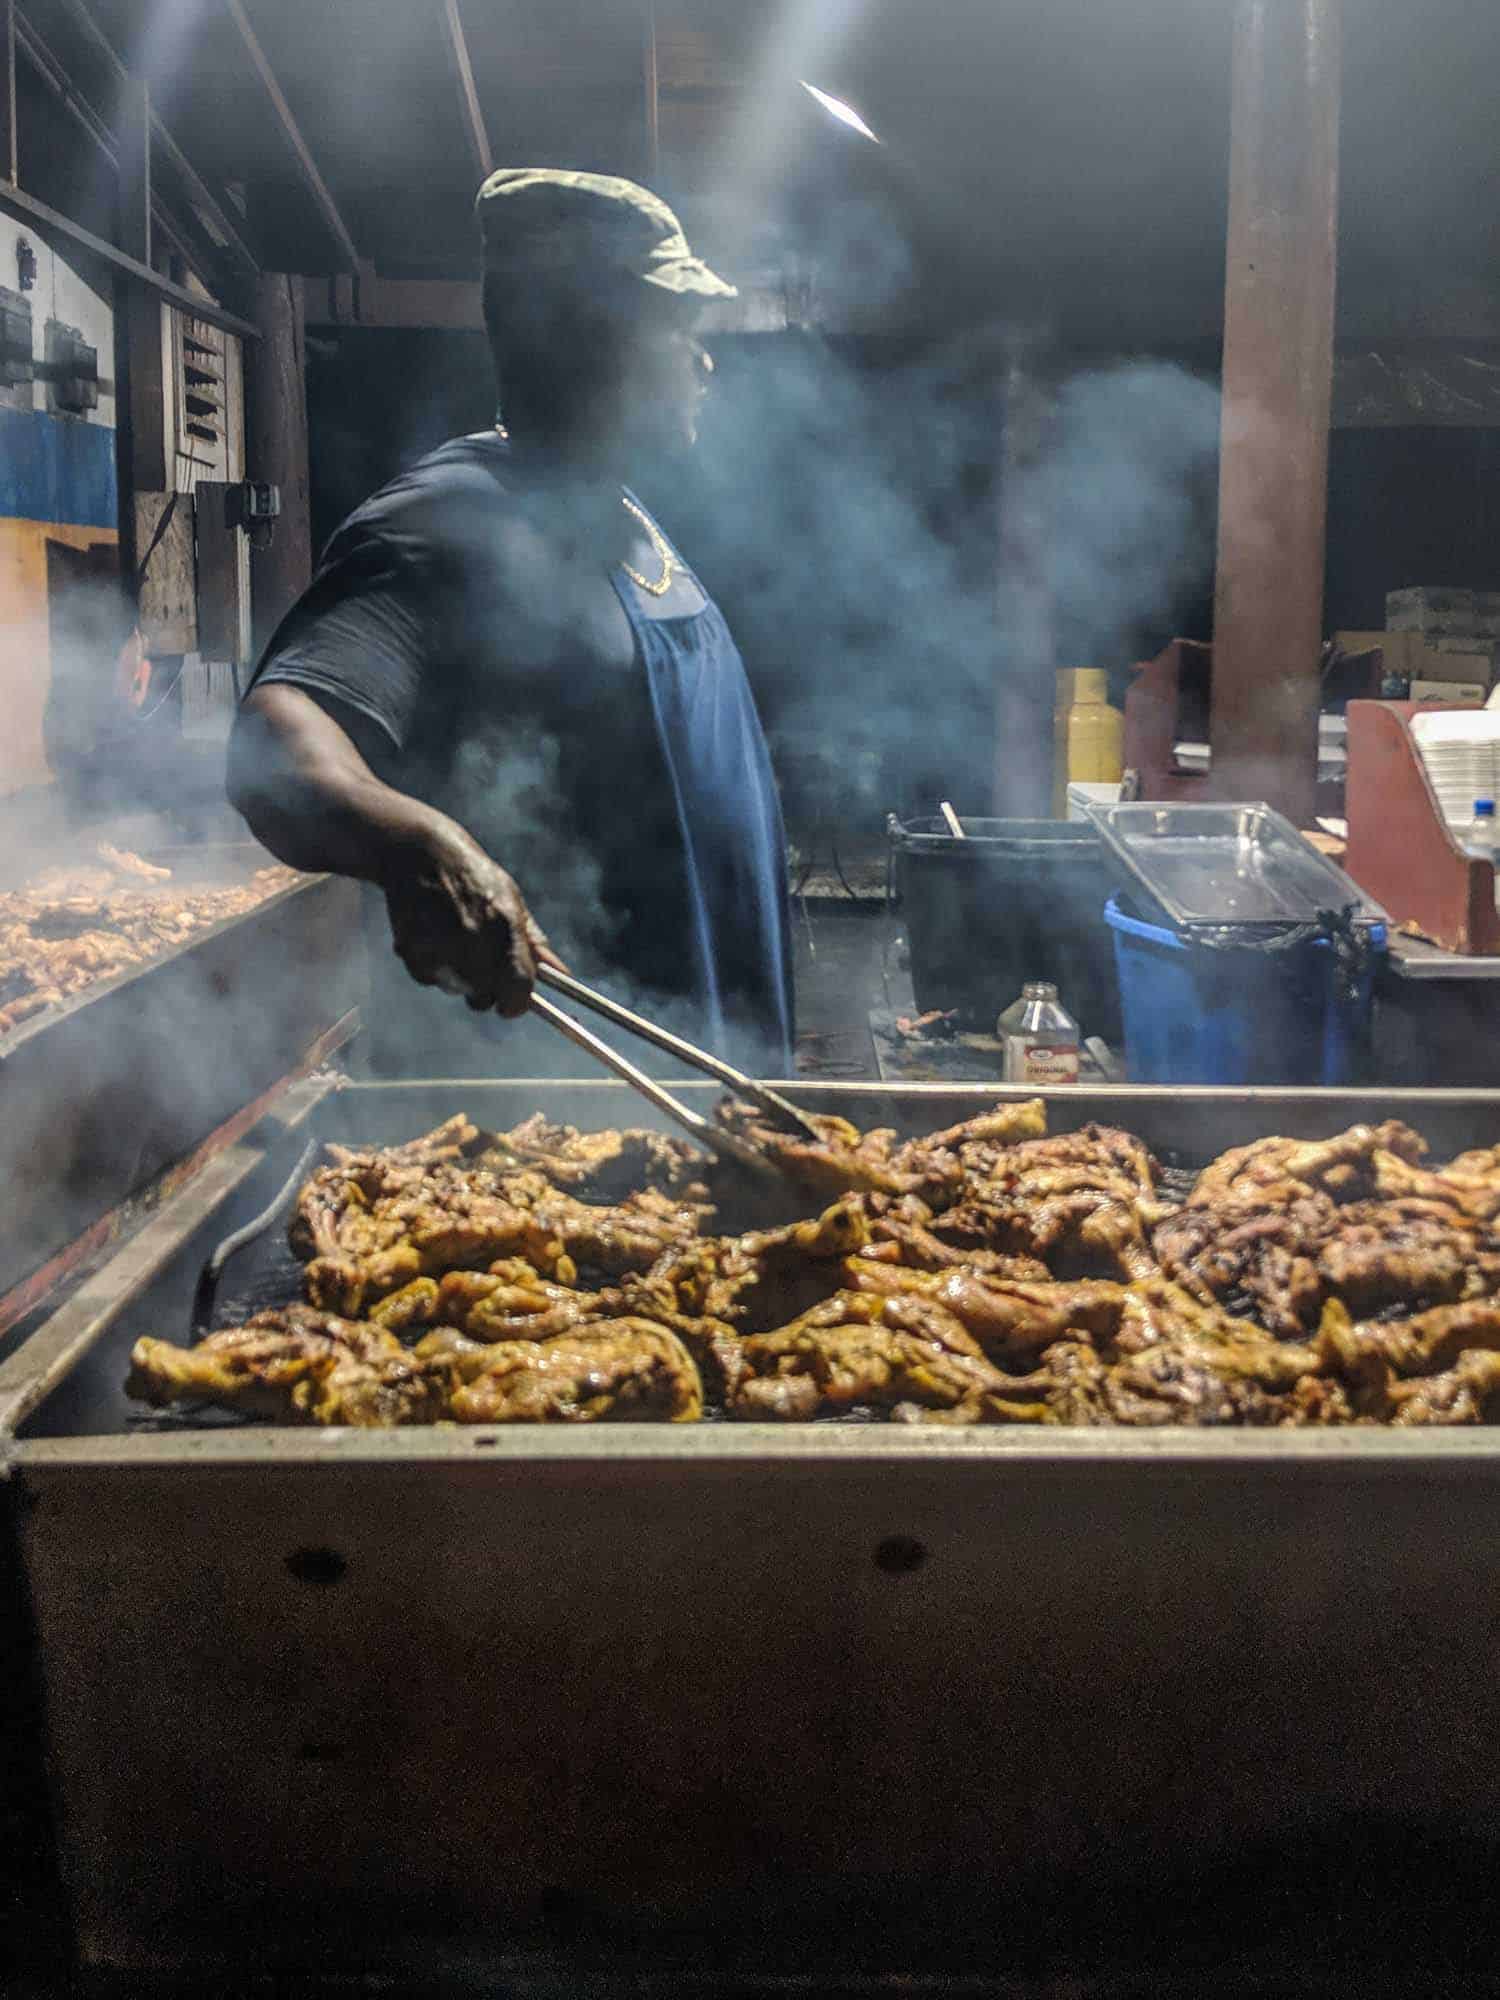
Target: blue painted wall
{"x":57,"y":469}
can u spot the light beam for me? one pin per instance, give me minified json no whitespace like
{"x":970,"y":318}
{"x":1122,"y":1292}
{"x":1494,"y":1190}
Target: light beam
{"x":836,"y":108}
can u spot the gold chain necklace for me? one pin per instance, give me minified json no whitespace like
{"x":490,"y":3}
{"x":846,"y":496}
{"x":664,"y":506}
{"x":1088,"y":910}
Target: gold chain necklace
{"x":659,"y":543}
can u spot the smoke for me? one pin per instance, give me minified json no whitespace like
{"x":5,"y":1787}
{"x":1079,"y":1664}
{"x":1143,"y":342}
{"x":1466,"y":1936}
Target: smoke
{"x":846,"y":511}
{"x":508,"y":789}
{"x":845,"y":508}
{"x":1125,"y":484}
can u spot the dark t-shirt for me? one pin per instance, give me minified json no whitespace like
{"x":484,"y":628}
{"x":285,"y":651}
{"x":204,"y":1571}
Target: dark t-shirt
{"x":483,"y":669}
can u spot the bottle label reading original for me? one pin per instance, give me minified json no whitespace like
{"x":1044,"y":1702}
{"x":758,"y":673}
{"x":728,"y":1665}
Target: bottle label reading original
{"x":1039,"y":1062}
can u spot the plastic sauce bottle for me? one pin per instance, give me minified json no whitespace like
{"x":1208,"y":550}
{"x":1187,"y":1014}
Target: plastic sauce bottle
{"x":1095,"y":731}
{"x":1039,"y":1037}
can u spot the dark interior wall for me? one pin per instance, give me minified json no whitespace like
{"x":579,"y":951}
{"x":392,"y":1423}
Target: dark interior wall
{"x":1408,"y":506}
{"x":376,"y":401}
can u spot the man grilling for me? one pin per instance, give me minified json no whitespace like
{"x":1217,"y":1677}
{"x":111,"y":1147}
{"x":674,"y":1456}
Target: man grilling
{"x":504,"y":685}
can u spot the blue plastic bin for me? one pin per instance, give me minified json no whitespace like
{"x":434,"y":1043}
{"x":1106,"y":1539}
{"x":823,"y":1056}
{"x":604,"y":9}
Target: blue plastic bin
{"x":1194,"y":1015}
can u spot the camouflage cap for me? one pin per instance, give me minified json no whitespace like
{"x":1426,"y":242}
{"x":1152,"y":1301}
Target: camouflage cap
{"x":549,"y":221}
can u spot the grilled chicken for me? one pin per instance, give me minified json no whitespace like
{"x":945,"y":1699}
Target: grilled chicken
{"x":985,"y":1275}
{"x":608,"y":1372}
{"x":297,"y":1366}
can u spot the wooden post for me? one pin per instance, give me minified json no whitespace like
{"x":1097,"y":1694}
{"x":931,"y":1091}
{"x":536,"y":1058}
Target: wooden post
{"x":135,"y":169}
{"x":276,"y":448}
{"x":1026,"y":689}
{"x":1278,"y":371}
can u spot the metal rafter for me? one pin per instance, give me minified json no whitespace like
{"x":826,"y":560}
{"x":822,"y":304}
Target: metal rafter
{"x":200,"y":194}
{"x":26,"y":207}
{"x":458,"y":47}
{"x":651,"y":86}
{"x":54,"y":76}
{"x":316,"y":185}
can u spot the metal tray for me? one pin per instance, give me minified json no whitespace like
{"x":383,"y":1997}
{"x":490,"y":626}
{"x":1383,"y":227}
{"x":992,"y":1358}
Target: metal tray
{"x":372,"y":1700}
{"x":1226,"y":865}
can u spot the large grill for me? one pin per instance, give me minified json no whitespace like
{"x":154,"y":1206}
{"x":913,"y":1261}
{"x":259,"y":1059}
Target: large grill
{"x":716,"y":1679}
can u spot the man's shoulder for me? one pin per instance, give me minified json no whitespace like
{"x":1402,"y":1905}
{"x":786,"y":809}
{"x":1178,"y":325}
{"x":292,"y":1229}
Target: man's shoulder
{"x":440,"y":494}
{"x":480,"y":462}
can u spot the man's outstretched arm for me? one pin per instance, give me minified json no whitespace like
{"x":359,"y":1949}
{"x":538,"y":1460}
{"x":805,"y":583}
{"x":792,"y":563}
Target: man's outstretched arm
{"x":308,"y":794}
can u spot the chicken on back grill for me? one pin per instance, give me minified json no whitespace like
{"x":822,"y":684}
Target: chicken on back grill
{"x":72,"y":928}
{"x":987,"y":1274}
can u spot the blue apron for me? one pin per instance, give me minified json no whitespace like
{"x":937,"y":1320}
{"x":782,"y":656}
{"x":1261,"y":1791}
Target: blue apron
{"x":729,"y":819}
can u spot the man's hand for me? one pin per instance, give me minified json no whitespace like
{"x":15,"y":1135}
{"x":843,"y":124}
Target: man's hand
{"x":459,"y":922}
{"x":309,"y":792}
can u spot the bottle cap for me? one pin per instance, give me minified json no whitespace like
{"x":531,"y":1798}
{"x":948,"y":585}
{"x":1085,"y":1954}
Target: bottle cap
{"x":1090,"y":684}
{"x":1484,"y":809}
{"x":1043,"y":989}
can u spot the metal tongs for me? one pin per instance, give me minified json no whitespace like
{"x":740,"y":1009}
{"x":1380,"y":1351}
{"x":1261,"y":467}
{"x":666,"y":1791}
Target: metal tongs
{"x":778,"y":1109}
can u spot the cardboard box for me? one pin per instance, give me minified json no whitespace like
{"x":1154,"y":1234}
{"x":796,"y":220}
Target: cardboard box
{"x":1419,"y":658}
{"x":1473,"y":669}
{"x":1451,"y":694}
{"x":1391,"y":644}
{"x":1438,"y":612}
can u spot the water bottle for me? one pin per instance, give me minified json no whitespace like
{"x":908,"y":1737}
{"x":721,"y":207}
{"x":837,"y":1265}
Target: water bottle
{"x":1481,"y":837}
{"x":1039,"y":1037}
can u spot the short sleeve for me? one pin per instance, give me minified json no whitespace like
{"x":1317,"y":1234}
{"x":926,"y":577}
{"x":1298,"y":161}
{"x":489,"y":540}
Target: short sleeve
{"x":366,"y":630}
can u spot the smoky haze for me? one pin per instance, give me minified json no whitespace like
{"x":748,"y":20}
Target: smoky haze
{"x":849,"y":521}
{"x":844,"y":507}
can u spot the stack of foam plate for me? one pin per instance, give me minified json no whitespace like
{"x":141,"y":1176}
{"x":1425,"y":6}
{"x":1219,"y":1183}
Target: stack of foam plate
{"x":1461,"y":749}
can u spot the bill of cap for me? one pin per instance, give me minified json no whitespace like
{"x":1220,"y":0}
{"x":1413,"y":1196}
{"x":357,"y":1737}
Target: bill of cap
{"x":686,"y":273}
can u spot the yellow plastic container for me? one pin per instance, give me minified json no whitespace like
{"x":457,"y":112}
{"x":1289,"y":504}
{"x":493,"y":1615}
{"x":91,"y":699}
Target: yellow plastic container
{"x":1090,"y":742}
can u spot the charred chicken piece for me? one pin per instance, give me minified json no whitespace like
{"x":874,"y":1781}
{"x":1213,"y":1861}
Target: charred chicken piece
{"x":1083,"y":1234}
{"x":1264,"y":1244}
{"x":1466,"y":1393}
{"x":296,"y":1366}
{"x":604,"y":1166}
{"x":760,"y":1280}
{"x":609,"y":1372}
{"x":829,"y":1361}
{"x":447,"y":1141}
{"x":879,"y":1163}
{"x":372,"y":1224}
{"x":1095,"y":1156}
{"x":911,"y":1246}
{"x":844,"y":1161}
{"x":1425,"y":1345}
{"x":1344,"y":1168}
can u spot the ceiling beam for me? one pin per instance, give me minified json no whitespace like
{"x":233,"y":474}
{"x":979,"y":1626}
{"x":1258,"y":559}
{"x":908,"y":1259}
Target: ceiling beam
{"x":26,"y":208}
{"x":216,"y":218}
{"x":436,"y":304}
{"x":317,"y":187}
{"x":143,"y":209}
{"x":474,"y":125}
{"x":651,"y":89}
